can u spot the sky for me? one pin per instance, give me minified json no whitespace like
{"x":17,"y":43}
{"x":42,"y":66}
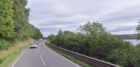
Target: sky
{"x":117,"y":16}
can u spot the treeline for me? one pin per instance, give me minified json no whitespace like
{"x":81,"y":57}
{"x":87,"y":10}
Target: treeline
{"x":93,"y":40}
{"x":127,"y":36}
{"x":14,"y":23}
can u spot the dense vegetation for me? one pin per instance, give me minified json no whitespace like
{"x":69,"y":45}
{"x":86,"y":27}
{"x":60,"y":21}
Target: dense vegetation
{"x":14,"y":23}
{"x":94,"y":41}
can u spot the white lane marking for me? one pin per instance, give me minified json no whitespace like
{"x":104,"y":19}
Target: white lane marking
{"x":53,"y":52}
{"x":13,"y":65}
{"x":42,"y":61}
{"x":64,"y":58}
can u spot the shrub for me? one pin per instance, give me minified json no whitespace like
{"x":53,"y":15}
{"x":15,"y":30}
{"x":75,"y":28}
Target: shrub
{"x":4,"y":44}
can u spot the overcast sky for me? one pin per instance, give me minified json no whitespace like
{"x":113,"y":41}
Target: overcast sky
{"x":118,"y":16}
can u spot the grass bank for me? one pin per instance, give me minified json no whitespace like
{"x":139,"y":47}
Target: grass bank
{"x":81,"y":63}
{"x":8,"y":56}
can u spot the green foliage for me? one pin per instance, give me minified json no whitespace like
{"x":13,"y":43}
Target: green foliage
{"x":22,"y":27}
{"x":52,"y":38}
{"x":4,"y":44}
{"x":14,"y":22}
{"x":37,"y":34}
{"x":6,"y":21}
{"x":127,"y":56}
{"x":138,"y":30}
{"x":93,"y":28}
{"x":94,"y":41}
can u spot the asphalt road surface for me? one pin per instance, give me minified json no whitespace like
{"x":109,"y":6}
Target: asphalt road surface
{"x":42,"y":57}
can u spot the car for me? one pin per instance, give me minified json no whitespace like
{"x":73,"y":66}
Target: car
{"x":34,"y":46}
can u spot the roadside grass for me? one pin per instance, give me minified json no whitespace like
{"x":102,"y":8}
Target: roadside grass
{"x":8,"y":56}
{"x":81,"y":63}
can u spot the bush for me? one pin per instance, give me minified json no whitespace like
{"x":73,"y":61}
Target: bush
{"x":4,"y":44}
{"x":1,"y":60}
{"x":96,"y":42}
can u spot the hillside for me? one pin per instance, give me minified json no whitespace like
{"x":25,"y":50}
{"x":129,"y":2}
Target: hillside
{"x":127,"y":36}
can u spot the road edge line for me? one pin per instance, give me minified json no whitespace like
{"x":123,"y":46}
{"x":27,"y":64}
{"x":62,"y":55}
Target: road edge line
{"x":65,"y":58}
{"x":18,"y":58}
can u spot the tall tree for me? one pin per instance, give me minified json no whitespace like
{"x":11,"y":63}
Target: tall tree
{"x":14,"y":22}
{"x":23,"y":29}
{"x":93,"y":28}
{"x":138,"y":30}
{"x":6,"y":21}
{"x":20,"y":17}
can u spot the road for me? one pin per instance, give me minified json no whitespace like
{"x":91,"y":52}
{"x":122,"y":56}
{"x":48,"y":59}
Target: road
{"x":42,"y":57}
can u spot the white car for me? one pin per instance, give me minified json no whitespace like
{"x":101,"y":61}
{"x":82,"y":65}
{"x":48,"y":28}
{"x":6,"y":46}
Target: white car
{"x":34,"y":46}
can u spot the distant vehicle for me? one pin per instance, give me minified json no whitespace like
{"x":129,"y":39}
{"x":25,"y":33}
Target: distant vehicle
{"x":34,"y":45}
{"x":36,"y":42}
{"x":40,"y":40}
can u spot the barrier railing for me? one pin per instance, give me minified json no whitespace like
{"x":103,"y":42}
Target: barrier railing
{"x":90,"y":60}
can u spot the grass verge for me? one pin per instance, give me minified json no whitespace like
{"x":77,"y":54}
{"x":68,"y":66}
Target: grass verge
{"x":81,"y":63}
{"x":7,"y":57}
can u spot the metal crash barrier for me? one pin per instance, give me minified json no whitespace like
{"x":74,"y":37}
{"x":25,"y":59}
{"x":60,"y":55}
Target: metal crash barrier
{"x":92,"y":61}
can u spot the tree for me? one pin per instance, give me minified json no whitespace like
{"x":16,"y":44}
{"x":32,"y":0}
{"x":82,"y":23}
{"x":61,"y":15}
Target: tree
{"x":59,"y":38}
{"x":127,"y":56}
{"x":37,"y":34}
{"x":138,"y":30}
{"x":21,"y":18}
{"x":6,"y":21}
{"x":14,"y":23}
{"x":99,"y":41}
{"x":52,"y":38}
{"x":92,"y":28}
{"x":23,"y":29}
{"x":95,"y":41}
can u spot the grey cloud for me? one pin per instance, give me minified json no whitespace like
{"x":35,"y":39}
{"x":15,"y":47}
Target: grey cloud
{"x":48,"y":31}
{"x":53,"y":30}
{"x":55,"y":22}
{"x":125,"y":15}
{"x":51,"y":15}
